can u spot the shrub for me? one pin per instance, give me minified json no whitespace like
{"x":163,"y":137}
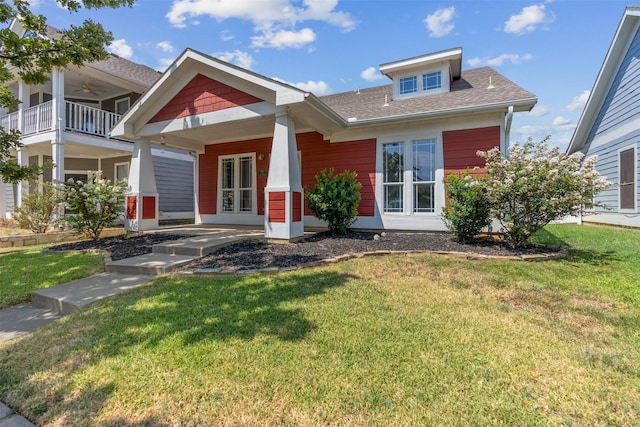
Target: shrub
{"x":536,"y":184}
{"x":37,"y":208}
{"x":95,"y":204}
{"x":467,"y":209}
{"x":335,"y":199}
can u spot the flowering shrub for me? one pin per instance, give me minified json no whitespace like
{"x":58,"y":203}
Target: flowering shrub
{"x":335,"y":199}
{"x":94,"y":204}
{"x":467,"y":209}
{"x":536,"y":184}
{"x":37,"y":208}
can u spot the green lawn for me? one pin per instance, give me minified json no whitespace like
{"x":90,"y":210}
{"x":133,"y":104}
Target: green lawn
{"x":392,"y":340}
{"x":26,"y":270}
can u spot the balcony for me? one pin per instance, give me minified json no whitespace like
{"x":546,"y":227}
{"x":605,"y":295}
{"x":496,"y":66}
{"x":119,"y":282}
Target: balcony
{"x":78,"y":118}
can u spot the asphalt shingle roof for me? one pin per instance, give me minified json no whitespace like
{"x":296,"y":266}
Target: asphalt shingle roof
{"x":127,"y":70}
{"x":469,"y":91}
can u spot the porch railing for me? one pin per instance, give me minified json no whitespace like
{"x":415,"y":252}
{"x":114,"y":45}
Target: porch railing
{"x":78,"y":118}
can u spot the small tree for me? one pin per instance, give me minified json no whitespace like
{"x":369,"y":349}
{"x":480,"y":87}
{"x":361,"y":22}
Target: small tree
{"x":536,"y":184}
{"x":335,"y":199}
{"x":96,"y":204}
{"x":36,"y":211}
{"x":467,"y":209}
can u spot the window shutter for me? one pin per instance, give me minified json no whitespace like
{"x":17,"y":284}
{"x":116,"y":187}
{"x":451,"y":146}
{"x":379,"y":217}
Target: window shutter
{"x":627,"y":179}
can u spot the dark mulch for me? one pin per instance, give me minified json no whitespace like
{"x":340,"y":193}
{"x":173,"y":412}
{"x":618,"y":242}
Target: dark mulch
{"x":256,"y":254}
{"x":123,"y":246}
{"x":261,"y":254}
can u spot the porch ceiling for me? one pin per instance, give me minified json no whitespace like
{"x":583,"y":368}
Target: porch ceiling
{"x":78,"y":150}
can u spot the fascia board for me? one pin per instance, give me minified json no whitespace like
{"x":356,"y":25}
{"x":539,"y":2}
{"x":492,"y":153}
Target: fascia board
{"x":619,"y":46}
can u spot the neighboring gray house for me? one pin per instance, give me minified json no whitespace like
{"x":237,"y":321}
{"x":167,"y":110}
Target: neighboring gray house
{"x":69,"y":120}
{"x":610,"y":125}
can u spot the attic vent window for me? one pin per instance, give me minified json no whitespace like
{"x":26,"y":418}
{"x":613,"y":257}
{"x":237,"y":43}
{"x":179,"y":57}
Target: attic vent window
{"x":432,"y":81}
{"x":408,"y":85}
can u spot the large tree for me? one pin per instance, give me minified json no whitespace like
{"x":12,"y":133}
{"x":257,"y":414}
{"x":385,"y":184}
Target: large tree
{"x":34,"y":56}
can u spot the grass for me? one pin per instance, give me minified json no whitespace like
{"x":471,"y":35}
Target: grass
{"x":26,"y":270}
{"x":393,"y":340}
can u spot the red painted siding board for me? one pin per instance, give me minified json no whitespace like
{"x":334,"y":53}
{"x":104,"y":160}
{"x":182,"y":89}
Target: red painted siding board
{"x":132,"y":207}
{"x":460,"y":147}
{"x":297,"y":206}
{"x":277,"y":212}
{"x":148,"y":207}
{"x":203,"y":95}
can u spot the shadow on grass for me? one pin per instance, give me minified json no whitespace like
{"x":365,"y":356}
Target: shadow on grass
{"x":594,"y":257}
{"x":170,"y":313}
{"x":212,"y":308}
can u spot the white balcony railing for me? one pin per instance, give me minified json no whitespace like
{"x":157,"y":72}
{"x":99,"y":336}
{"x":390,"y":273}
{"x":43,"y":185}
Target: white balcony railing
{"x":78,"y":118}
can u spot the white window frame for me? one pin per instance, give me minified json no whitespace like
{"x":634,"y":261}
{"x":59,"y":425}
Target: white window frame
{"x":424,"y":79}
{"x":115,"y":169}
{"x":416,"y":85}
{"x":236,"y":177}
{"x":408,"y":182}
{"x":635,"y":178}
{"x":118,"y":101}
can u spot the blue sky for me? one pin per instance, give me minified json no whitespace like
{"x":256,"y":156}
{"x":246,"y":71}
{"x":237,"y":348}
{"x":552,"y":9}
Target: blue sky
{"x":553,"y":49}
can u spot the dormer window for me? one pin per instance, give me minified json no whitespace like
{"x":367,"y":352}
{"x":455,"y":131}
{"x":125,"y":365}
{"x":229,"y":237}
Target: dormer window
{"x":408,"y":85}
{"x":432,"y":81}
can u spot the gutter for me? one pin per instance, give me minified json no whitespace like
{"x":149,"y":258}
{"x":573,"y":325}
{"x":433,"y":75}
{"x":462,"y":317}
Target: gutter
{"x":507,"y":128}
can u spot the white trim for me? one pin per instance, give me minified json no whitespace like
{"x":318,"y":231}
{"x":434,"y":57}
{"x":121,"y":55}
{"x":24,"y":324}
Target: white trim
{"x":635,"y":178}
{"x":115,"y":169}
{"x":236,"y":171}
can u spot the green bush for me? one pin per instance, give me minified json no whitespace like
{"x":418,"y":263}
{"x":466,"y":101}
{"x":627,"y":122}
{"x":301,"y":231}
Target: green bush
{"x":95,"y":204}
{"x":467,"y":209}
{"x":335,"y":199}
{"x":37,"y":208}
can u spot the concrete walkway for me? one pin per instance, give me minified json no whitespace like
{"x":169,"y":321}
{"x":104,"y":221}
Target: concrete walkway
{"x":50,"y":304}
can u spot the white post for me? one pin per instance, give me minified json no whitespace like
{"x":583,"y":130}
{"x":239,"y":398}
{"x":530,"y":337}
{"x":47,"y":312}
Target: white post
{"x":283,"y":194}
{"x":23,"y":186}
{"x":142,"y":210}
{"x":57,"y":143}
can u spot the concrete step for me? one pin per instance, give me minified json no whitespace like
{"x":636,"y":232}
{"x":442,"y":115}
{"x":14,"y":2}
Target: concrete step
{"x":151,"y":264}
{"x":197,"y":246}
{"x":68,"y":297}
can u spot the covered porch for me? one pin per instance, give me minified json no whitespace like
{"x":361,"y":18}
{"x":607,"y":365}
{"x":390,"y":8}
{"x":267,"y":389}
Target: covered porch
{"x":202,"y":102}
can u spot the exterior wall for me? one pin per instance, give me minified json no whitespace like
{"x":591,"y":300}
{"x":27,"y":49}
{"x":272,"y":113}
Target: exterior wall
{"x":174,"y":180}
{"x":203,"y":95}
{"x":108,"y":166}
{"x":315,"y":153}
{"x":460,"y":148}
{"x":617,"y":127}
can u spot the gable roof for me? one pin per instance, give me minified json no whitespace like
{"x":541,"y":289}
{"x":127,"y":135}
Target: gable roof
{"x":470,"y":92}
{"x":624,"y":34}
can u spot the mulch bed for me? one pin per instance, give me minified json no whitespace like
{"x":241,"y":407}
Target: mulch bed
{"x":259,"y":254}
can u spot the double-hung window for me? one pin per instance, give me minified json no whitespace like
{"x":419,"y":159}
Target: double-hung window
{"x":237,"y":184}
{"x":409,"y":176}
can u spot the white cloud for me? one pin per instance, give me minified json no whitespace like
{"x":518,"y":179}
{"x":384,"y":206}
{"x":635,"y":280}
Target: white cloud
{"x":274,"y":20}
{"x":166,"y":46}
{"x":440,"y":22}
{"x":238,"y":57}
{"x":578,"y":101}
{"x":283,"y":38}
{"x":121,"y":48}
{"x":528,"y":20}
{"x":371,"y":74}
{"x":497,"y":61}
{"x":318,"y":88}
{"x":560,"y":121}
{"x":164,"y":64}
{"x":226,"y":35}
{"x":539,"y":111}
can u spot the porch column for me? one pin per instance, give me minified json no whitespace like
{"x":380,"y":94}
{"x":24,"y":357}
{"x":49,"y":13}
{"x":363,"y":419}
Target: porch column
{"x":23,"y":186}
{"x":57,"y":143}
{"x":142,"y":211}
{"x":284,"y":199}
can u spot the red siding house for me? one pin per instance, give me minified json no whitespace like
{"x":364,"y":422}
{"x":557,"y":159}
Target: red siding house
{"x":260,"y":142}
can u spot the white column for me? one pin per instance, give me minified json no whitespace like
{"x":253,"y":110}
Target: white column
{"x":23,"y":186}
{"x":142,"y":209}
{"x":57,"y":143}
{"x":283,"y":194}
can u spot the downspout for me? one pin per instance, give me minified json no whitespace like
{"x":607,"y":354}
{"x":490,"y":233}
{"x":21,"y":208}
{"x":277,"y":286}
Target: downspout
{"x":507,"y":128}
